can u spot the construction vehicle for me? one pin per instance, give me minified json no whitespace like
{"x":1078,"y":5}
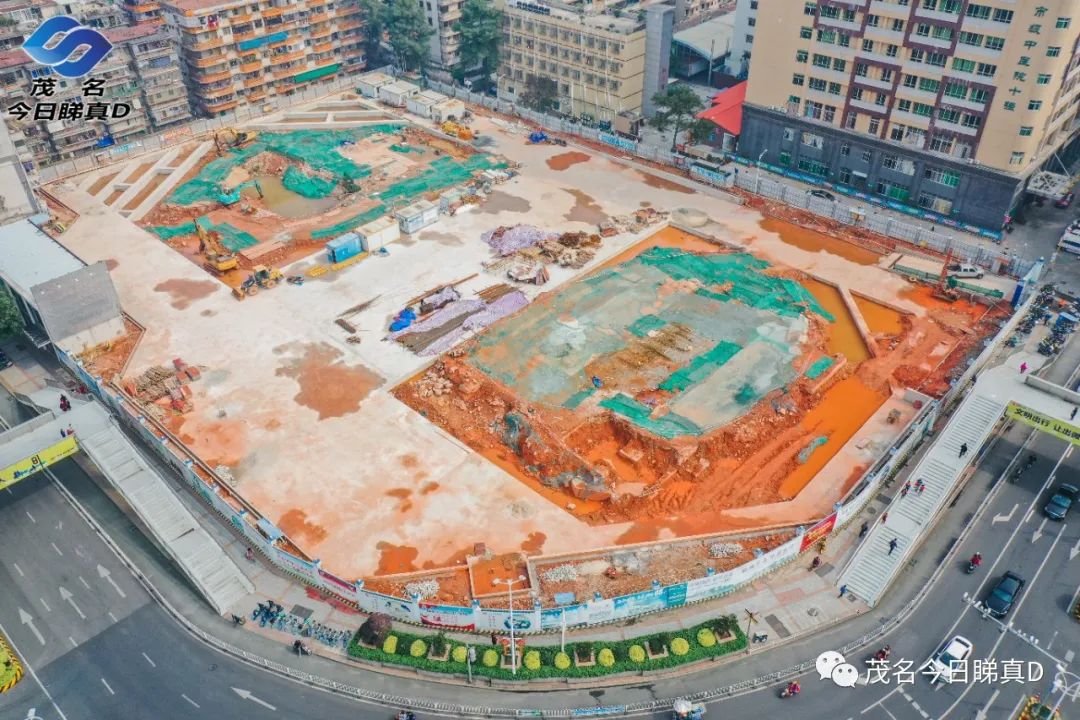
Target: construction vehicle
{"x":945,"y":288}
{"x":218,"y":259}
{"x":233,"y":139}
{"x":685,"y":710}
{"x":459,"y":131}
{"x":260,"y":277}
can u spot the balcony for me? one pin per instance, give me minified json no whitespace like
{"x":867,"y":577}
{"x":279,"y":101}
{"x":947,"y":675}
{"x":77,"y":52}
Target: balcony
{"x":869,"y":106}
{"x":221,"y":105}
{"x":877,"y":83}
{"x":212,"y":44}
{"x":210,"y":62}
{"x":254,"y":66}
{"x":839,"y":24}
{"x":255,"y":81}
{"x":322,"y":47}
{"x":936,"y":15}
{"x":321,"y":32}
{"x":256,"y":96}
{"x":928,"y":41}
{"x":213,"y":77}
{"x":272,"y":12}
{"x":956,"y":127}
{"x":452,"y":16}
{"x":316,"y":18}
{"x":279,"y":58}
{"x":346,"y":24}
{"x":241,"y":37}
{"x":148,"y":7}
{"x":210,"y":93}
{"x":284,"y":73}
{"x":245,"y":19}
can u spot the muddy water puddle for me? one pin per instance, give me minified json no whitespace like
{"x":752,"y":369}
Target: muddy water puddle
{"x":813,"y":241}
{"x":184,"y":292}
{"x":284,"y":202}
{"x":499,"y":201}
{"x":566,"y":160}
{"x":881,"y":319}
{"x":327,"y":386}
{"x":585,"y":209}
{"x":843,"y":334}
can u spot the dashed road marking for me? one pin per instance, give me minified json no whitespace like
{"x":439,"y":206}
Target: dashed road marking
{"x":107,"y":686}
{"x":18,"y":569}
{"x":152,"y":664}
{"x":57,"y":549}
{"x":113,"y":617}
{"x":85,"y":584}
{"x":45,"y":605}
{"x":30,"y":516}
{"x":72,"y":641}
{"x":189,"y":700}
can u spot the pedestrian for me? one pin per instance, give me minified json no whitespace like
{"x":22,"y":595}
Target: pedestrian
{"x":71,"y":431}
{"x":884,"y":517}
{"x":904,"y":490}
{"x":816,"y":563}
{"x":1023,"y":368}
{"x":843,"y":590}
{"x":1072,"y":415}
{"x":494,"y":639}
{"x":920,"y":486}
{"x":974,"y":378}
{"x":63,"y":433}
{"x":864,"y":529}
{"x":892,"y":545}
{"x":963,"y":449}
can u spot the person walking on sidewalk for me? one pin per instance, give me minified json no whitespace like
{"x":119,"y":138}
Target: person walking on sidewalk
{"x":906,"y":489}
{"x":494,"y":639}
{"x":843,"y":590}
{"x":920,"y":486}
{"x":1072,"y":415}
{"x":892,"y":545}
{"x":1023,"y":368}
{"x":864,"y":529}
{"x":816,"y":563}
{"x":963,"y":449}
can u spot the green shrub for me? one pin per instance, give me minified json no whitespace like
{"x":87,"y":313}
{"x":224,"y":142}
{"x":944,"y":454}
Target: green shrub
{"x":680,"y":646}
{"x":532,"y":660}
{"x":662,"y":638}
{"x":438,"y":644}
{"x":606,"y":658}
{"x":389,"y":646}
{"x":562,"y":661}
{"x":418,"y":648}
{"x":490,"y":658}
{"x":459,"y":654}
{"x":706,"y":638}
{"x":636,"y":654}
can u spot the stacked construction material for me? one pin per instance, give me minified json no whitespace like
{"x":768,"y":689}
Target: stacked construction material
{"x":445,"y":326}
{"x":508,"y":240}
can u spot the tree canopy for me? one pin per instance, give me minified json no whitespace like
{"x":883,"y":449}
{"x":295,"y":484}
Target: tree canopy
{"x":481,"y":32}
{"x":676,"y":106}
{"x":541,"y":94}
{"x":11,"y":321}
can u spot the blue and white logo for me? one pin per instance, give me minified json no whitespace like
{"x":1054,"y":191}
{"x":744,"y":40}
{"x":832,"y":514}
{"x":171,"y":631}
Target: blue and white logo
{"x":73,"y":37}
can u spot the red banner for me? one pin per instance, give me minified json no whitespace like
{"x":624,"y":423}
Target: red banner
{"x":820,"y":531}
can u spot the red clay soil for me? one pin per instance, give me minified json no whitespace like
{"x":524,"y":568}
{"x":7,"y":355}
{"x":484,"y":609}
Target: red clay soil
{"x":566,"y":160}
{"x":327,"y":386}
{"x":184,"y":292}
{"x":109,"y":359}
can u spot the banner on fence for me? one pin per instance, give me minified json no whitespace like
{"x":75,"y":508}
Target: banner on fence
{"x":451,"y":617}
{"x":710,"y":176}
{"x":38,"y":461}
{"x":337,"y":585}
{"x":819,"y":531}
{"x":600,"y":611}
{"x":639,"y":603}
{"x":395,"y":607}
{"x":1039,"y":421}
{"x":289,"y":562}
{"x":499,"y":620}
{"x":572,"y":614}
{"x":617,"y":141}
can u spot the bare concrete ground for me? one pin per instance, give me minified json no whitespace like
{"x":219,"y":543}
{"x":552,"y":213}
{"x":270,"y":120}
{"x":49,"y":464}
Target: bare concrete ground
{"x":305,"y":421}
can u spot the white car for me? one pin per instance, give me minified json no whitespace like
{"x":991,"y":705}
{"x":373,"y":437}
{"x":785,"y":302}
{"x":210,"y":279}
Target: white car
{"x":949,"y":658}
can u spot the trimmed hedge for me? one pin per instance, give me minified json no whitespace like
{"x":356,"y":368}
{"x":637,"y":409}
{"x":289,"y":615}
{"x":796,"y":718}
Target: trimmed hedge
{"x":418,"y":648}
{"x":549,"y":662}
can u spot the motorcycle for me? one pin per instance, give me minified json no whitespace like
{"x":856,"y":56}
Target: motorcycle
{"x":238,"y":620}
{"x":973,"y":565}
{"x":791,"y":690}
{"x":301,"y":648}
{"x":881,"y":655}
{"x":405,"y":715}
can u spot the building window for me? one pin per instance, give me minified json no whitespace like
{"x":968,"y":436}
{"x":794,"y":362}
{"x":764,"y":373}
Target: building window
{"x":809,"y":8}
{"x":935,"y":203}
{"x":892,"y":50}
{"x":1062,"y":23}
{"x":785,"y":158}
{"x":986,"y":70}
{"x":861,"y":69}
{"x":1026,"y":131}
{"x":1003,"y":16}
{"x":875,"y":128}
{"x":1043,"y":79}
{"x":814,"y":167}
{"x":845,"y":149}
{"x":963,"y":65}
{"x":956,"y":90}
{"x":798,"y":79}
{"x":897,"y":25}
{"x":899,"y":164}
{"x":896,"y":132}
{"x":1035,"y":105}
{"x":1009,"y":105}
{"x":923,"y":110}
{"x":789,"y":134}
{"x":835,"y":88}
{"x":857,"y":94}
{"x":816,"y":84}
{"x":978,"y":12}
{"x":995,"y":43}
{"x":1017,"y":158}
{"x":801,"y":56}
{"x":839,"y":65}
{"x":970,"y":38}
{"x":971,"y":121}
{"x":1053,"y":51}
{"x":806,"y":33}
{"x":844,"y":176}
{"x":917,"y":55}
{"x":948,"y":115}
{"x":868,"y":45}
{"x":880,"y":99}
{"x":922,"y":30}
{"x":979,"y":95}
{"x":891,"y":190}
{"x":949,"y":178}
{"x":903,"y":105}
{"x":941,"y":144}
{"x":821,"y":61}
{"x":873,"y":20}
{"x":813,"y":140}
{"x":929,"y":85}
{"x":910,"y":81}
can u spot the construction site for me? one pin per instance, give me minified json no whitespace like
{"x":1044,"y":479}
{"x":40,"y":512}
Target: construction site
{"x":503,"y":354}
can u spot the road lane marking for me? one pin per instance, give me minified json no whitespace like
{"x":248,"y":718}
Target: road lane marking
{"x":152,"y":664}
{"x":981,"y":715}
{"x":28,"y":620}
{"x":45,"y":604}
{"x":1052,"y":639}
{"x":989,"y":573}
{"x":1039,"y":533}
{"x":189,"y":700}
{"x":30,"y":516}
{"x":18,"y":569}
{"x":919,"y":709}
{"x":884,"y":697}
{"x":1016,"y":707}
{"x":72,"y":641}
{"x":67,"y":597}
{"x":84,"y":583}
{"x":107,"y":686}
{"x":113,"y":617}
{"x":33,"y":673}
{"x":105,"y":575}
{"x":1016,"y":612}
{"x":57,"y":549}
{"x":1005,"y":518}
{"x":247,"y":695}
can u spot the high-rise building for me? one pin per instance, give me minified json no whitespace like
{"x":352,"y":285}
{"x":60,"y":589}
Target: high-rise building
{"x":250,"y":51}
{"x":141,"y":71}
{"x":948,"y":106}
{"x":445,"y":43}
{"x":742,"y":40}
{"x":594,"y":52}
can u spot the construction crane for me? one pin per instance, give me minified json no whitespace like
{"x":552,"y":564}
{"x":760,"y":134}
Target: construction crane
{"x":261,"y":277}
{"x":233,"y":139}
{"x":218,"y":259}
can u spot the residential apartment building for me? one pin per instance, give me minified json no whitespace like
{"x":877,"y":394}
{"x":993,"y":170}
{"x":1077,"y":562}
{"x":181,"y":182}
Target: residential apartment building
{"x":445,"y":44}
{"x":143,"y":12}
{"x":742,"y":39}
{"x":142,"y":71}
{"x":948,"y":106}
{"x":593,"y":52}
{"x":691,"y":12}
{"x":19,"y":18}
{"x":252,"y":51}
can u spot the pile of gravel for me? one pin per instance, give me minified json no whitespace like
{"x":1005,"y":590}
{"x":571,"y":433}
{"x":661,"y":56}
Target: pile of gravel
{"x":423,"y":588}
{"x":724,"y":550}
{"x":561,"y":573}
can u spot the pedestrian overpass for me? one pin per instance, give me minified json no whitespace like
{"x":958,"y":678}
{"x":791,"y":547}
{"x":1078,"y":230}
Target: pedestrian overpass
{"x":28,"y":449}
{"x":1000,"y":392}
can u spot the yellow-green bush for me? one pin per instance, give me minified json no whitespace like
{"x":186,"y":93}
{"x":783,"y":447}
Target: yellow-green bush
{"x":706,"y":638}
{"x":562,"y":661}
{"x":460,"y":654}
{"x":418,"y":648}
{"x":490,"y":658}
{"x":606,"y":658}
{"x":389,"y":646}
{"x":532,"y":660}
{"x":637,"y":654}
{"x":680,"y":646}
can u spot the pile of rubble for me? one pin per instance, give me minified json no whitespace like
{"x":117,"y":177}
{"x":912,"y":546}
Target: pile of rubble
{"x":560,"y":573}
{"x":423,"y":588}
{"x":159,"y":382}
{"x":724,"y":549}
{"x":633,"y":223}
{"x":524,"y":251}
{"x":434,"y":382}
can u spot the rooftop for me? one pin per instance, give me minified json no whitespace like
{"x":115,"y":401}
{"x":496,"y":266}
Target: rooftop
{"x":128,"y":33}
{"x":30,"y":257}
{"x":13,"y":58}
{"x":726,"y":110}
{"x":711,"y":39}
{"x":191,"y":7}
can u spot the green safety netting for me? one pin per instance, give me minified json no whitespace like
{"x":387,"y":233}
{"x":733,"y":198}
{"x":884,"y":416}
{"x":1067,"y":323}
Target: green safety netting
{"x":807,"y":451}
{"x":818,"y":367}
{"x":316,"y":148}
{"x":646,"y":324}
{"x":232,"y":237}
{"x":166,"y":232}
{"x":667,"y":426}
{"x":406,"y":149}
{"x":309,"y":186}
{"x":701,"y":367}
{"x":442,"y":173}
{"x":579,"y":397}
{"x":350,"y":224}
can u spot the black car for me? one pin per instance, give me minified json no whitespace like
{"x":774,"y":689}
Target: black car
{"x":1061,"y":501}
{"x":1005,"y":594}
{"x":823,"y":194}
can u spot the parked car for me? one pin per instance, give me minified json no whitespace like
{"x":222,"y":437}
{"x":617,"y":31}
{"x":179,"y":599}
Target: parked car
{"x":950,"y":658}
{"x":5,"y":361}
{"x":1064,"y":201}
{"x":1005,"y":594}
{"x":823,"y":194}
{"x":963,"y":270}
{"x":1060,"y":502}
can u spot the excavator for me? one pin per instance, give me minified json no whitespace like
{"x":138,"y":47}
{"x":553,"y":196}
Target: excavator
{"x":261,"y":277}
{"x":233,"y":139}
{"x":218,"y":260}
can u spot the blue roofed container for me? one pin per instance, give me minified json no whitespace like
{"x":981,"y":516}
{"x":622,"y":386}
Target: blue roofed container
{"x":344,"y":247}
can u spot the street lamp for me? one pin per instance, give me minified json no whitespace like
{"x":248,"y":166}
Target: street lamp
{"x":757,"y":171}
{"x":510,"y":598}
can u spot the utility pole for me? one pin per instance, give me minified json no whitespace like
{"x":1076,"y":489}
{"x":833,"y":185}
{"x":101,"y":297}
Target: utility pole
{"x":510,"y":597}
{"x":757,"y":171}
{"x":751,"y":618}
